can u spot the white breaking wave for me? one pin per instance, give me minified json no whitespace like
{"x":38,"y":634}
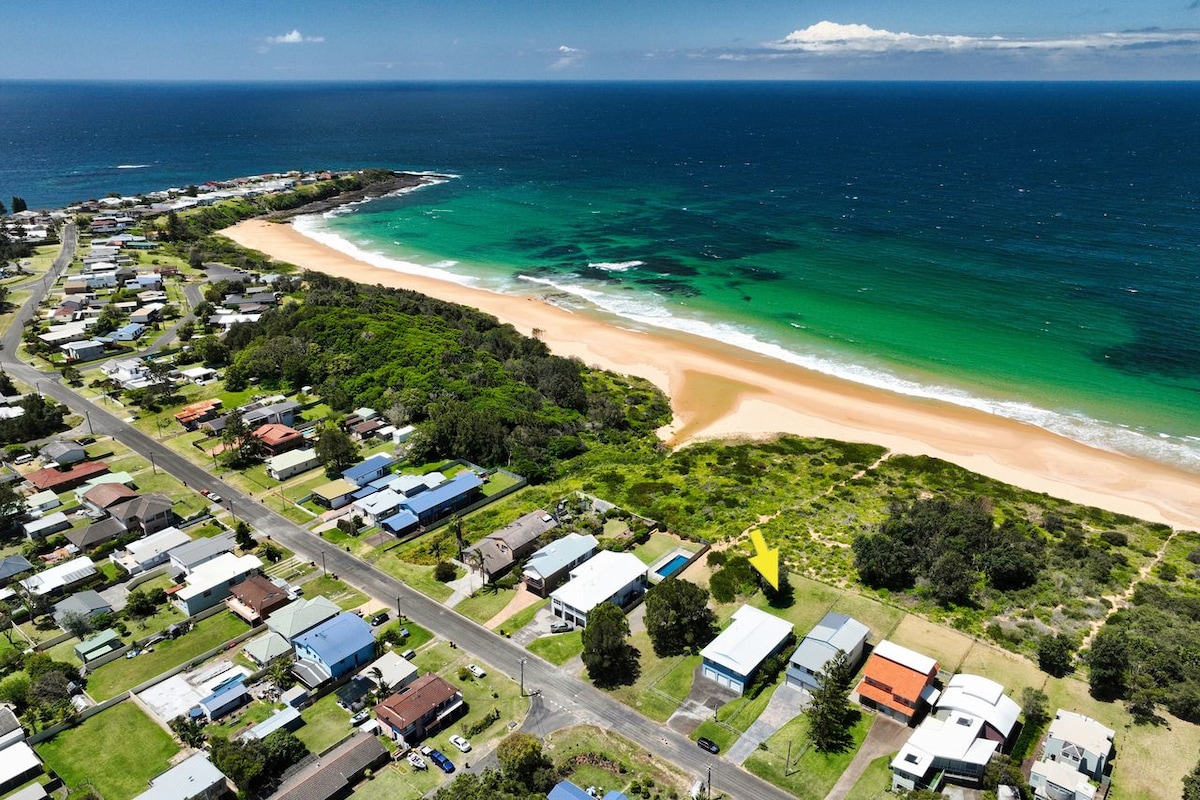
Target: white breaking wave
{"x":616,"y":266}
{"x":648,"y":309}
{"x":133,"y":166}
{"x":346,"y":208}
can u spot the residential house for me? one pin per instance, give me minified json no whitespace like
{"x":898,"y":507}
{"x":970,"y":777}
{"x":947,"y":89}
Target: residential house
{"x":87,"y":604}
{"x":41,"y":527}
{"x":192,"y":415}
{"x":96,"y":534}
{"x":60,"y":576}
{"x":378,"y":506}
{"x":148,"y":513}
{"x":97,"y":645}
{"x":277,"y":439}
{"x":333,"y":649}
{"x":226,"y":698}
{"x":972,"y":721}
{"x":62,"y":454}
{"x":12,"y":566}
{"x":1074,"y":758}
{"x":57,"y":481}
{"x":41,"y":502}
{"x":128,"y":373}
{"x":732,"y":659}
{"x":286,"y":719}
{"x":130,"y":333}
{"x":565,"y":790}
{"x":199,"y":375}
{"x":123,"y":478}
{"x":394,"y":672}
{"x":495,"y":554}
{"x":402,"y":522}
{"x":186,"y":557}
{"x":606,"y":577}
{"x":194,"y":778}
{"x":547,"y":567}
{"x":833,"y":634}
{"x":335,"y":494}
{"x":287,"y":623}
{"x":374,"y":467}
{"x":293,"y":462}
{"x":454,"y":495}
{"x":147,"y":315}
{"x":103,"y":496}
{"x":424,"y":707}
{"x":281,"y":413}
{"x":898,"y":682}
{"x":147,"y":553}
{"x":366,"y":430}
{"x":336,"y":772}
{"x":209,"y":583}
{"x":18,"y":764}
{"x":255,"y":598}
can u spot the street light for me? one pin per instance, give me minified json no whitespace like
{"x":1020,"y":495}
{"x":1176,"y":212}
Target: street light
{"x":323,"y":570}
{"x":88,"y":416}
{"x":153,"y":466}
{"x":523,"y":660}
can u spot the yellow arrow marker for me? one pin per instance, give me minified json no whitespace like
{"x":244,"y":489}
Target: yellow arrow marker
{"x":765,"y":560}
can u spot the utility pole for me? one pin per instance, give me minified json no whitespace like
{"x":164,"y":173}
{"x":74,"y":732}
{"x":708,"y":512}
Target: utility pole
{"x":708,"y":788}
{"x":523,"y":676}
{"x":323,"y":570}
{"x":88,"y":416}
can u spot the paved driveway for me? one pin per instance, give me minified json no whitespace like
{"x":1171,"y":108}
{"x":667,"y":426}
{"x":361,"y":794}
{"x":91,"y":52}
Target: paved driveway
{"x":701,"y":703}
{"x":784,"y":706}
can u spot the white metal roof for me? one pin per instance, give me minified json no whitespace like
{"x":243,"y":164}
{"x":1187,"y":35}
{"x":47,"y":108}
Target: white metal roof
{"x":956,"y":738}
{"x":1064,"y":775}
{"x":218,"y":571}
{"x":982,"y":698}
{"x":1082,"y":731}
{"x":291,"y":458}
{"x":157,"y":543}
{"x":905,"y":657}
{"x":752,"y":637}
{"x":598,"y":579}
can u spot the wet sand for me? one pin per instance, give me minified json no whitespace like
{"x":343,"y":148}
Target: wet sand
{"x":719,"y":391}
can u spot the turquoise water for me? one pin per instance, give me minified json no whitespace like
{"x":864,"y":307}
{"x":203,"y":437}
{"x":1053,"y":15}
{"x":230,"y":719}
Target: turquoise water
{"x":1030,"y":250}
{"x":671,"y":567}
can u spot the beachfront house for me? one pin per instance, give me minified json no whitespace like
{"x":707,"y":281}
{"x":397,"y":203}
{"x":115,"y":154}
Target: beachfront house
{"x":731,"y":659}
{"x":452,"y":496}
{"x":898,"y":682}
{"x":547,"y":567}
{"x":607,"y":577}
{"x":1074,"y":759}
{"x":835,"y":632}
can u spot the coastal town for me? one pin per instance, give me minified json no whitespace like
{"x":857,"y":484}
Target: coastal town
{"x":229,"y":567}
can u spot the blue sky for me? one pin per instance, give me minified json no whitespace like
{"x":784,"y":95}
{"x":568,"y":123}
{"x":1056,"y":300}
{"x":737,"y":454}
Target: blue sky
{"x":601,"y":39}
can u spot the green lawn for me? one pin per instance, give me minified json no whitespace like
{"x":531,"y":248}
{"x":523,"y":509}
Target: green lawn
{"x":399,"y":781}
{"x":723,"y":735}
{"x":659,"y":545}
{"x":558,"y":648}
{"x":485,"y":603}
{"x":523,"y":617}
{"x":117,"y":751}
{"x":417,"y":635}
{"x":643,"y":693}
{"x":124,"y":673}
{"x":243,"y":718}
{"x":873,"y":783}
{"x":335,"y":590}
{"x":325,"y":724}
{"x":417,"y":576}
{"x":811,"y":774}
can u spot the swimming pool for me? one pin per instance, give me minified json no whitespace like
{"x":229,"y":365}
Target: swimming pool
{"x":671,"y":567}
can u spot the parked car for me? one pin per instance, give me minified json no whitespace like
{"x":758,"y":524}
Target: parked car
{"x":379,"y":619}
{"x":415,"y":759}
{"x":360,"y":716}
{"x":708,"y":744}
{"x":476,"y":670}
{"x":214,"y":497}
{"x":445,"y":764}
{"x":462,"y":744}
{"x":561,"y":627}
{"x":409,"y":654}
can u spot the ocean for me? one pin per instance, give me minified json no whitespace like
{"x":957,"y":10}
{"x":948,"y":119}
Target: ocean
{"x":1031,"y":250}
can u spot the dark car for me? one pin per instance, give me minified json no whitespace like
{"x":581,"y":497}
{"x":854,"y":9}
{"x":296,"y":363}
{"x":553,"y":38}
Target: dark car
{"x":708,"y":744}
{"x":445,"y":764}
{"x":379,"y":619}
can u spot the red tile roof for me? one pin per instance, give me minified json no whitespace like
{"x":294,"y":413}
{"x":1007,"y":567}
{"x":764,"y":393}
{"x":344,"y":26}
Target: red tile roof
{"x":903,"y":681}
{"x":60,"y":480}
{"x":420,"y":697}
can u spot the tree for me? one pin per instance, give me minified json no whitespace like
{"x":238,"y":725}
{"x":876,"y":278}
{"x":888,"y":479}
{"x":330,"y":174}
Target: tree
{"x":141,"y":604}
{"x":19,"y":205}
{"x":77,"y":624}
{"x":444,"y":572}
{"x":678,"y":619}
{"x":1034,"y":705}
{"x":1055,"y":654}
{"x":3,"y":210}
{"x":830,"y":715}
{"x":1191,"y":784}
{"x":520,"y":756}
{"x":280,"y":674}
{"x":176,"y":231}
{"x":7,"y":622}
{"x":1003,"y":771}
{"x":880,"y":563}
{"x":609,"y":658}
{"x":243,"y":447}
{"x":14,"y":689}
{"x":242,"y":762}
{"x":951,"y":578}
{"x":282,"y":749}
{"x":1143,"y":697}
{"x":335,"y":449}
{"x":190,"y":732}
{"x":783,"y":596}
{"x":244,"y":536}
{"x":1108,"y":664}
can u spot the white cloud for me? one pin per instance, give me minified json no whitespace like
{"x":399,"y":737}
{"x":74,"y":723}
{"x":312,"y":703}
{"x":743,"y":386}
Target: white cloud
{"x":294,"y":37}
{"x":839,"y":38}
{"x":568,"y":57}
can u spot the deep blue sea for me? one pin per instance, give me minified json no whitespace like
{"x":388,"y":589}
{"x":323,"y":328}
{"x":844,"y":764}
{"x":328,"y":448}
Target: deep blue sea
{"x":1029,"y":249}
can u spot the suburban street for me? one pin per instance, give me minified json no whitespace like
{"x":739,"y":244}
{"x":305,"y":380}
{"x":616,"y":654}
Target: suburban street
{"x":559,"y":690}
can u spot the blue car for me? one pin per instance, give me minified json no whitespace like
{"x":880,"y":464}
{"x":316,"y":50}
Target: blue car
{"x":444,"y":763}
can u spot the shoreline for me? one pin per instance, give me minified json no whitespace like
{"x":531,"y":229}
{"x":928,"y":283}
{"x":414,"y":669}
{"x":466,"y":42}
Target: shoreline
{"x":720,"y":391}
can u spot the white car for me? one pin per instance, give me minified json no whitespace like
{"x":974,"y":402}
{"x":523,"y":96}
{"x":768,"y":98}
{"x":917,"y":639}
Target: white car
{"x":476,"y":670}
{"x":416,"y":760}
{"x":462,"y":744}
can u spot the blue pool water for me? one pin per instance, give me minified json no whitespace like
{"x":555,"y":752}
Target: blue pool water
{"x":671,"y":567}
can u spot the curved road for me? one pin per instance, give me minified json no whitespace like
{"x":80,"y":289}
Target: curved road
{"x":556,"y":686}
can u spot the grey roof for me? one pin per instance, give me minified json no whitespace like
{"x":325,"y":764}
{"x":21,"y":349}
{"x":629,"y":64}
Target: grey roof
{"x":56,"y":450}
{"x":8,"y":721}
{"x":833,"y":633}
{"x":190,"y":778}
{"x":266,"y":649}
{"x":142,"y":507}
{"x":502,"y":547}
{"x":200,"y":550}
{"x":11,"y":566}
{"x":337,"y":771}
{"x":96,"y":533}
{"x":558,"y":554}
{"x":86,"y":603}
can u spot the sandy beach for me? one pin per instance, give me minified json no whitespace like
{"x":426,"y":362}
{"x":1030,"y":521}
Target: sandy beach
{"x":719,"y":391}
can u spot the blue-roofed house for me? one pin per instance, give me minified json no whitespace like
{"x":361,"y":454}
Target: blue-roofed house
{"x":400,"y":522}
{"x":548,"y":567}
{"x":565,"y":790}
{"x":371,"y":469}
{"x":129,"y":333}
{"x":453,"y":495}
{"x":833,"y":633}
{"x":334,"y":648}
{"x":222,"y":701}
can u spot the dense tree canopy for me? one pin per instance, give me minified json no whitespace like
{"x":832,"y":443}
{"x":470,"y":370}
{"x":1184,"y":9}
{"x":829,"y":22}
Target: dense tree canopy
{"x":830,"y":715}
{"x":609,"y":658}
{"x":678,"y":619}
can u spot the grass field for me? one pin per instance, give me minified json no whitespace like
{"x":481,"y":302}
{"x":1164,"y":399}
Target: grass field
{"x":633,"y":762}
{"x":325,"y":724}
{"x":117,"y":751}
{"x":523,"y":617}
{"x":874,"y":782}
{"x":558,"y":648}
{"x":485,"y":603}
{"x":417,"y":576}
{"x":125,"y":673}
{"x":642,"y":694}
{"x":811,"y":774}
{"x":335,"y":590}
{"x":659,"y":545}
{"x":399,"y":781}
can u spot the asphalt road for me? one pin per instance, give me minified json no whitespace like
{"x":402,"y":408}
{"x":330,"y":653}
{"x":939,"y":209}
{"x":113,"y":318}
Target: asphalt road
{"x":558,"y":689}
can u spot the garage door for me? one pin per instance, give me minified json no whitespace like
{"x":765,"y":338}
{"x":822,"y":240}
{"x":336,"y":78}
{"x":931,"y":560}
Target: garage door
{"x":720,"y":679}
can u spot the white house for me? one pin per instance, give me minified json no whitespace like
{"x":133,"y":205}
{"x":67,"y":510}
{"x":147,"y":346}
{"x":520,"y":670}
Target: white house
{"x":605,"y":577}
{"x":60,"y":576}
{"x":1074,"y":757}
{"x":208,"y":584}
{"x":293,"y":462}
{"x":150,"y":551}
{"x":731,"y":659}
